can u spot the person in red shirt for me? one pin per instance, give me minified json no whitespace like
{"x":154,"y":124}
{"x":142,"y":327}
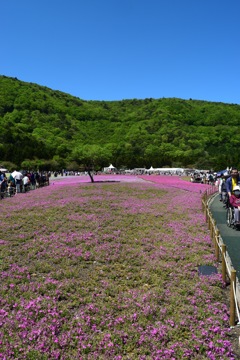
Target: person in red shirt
{"x":235,"y":202}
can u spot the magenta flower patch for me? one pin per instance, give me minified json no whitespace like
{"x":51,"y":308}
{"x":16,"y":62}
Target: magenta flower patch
{"x":109,"y":271}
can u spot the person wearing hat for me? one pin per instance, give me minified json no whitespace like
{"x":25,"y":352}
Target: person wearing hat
{"x":235,"y":202}
{"x":232,"y":181}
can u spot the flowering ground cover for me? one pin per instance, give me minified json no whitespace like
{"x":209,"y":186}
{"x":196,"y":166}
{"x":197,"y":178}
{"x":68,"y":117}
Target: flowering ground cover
{"x":109,"y":271}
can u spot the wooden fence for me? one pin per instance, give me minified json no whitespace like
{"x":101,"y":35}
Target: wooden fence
{"x":222,"y":256}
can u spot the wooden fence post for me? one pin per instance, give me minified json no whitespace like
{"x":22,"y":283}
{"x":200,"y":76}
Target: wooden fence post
{"x":217,"y":245}
{"x":232,"y":299}
{"x":213,"y":224}
{"x":209,"y":219}
{"x":205,"y":211}
{"x":224,"y":266}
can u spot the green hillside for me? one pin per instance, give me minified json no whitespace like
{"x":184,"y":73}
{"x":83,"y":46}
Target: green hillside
{"x":42,"y":126}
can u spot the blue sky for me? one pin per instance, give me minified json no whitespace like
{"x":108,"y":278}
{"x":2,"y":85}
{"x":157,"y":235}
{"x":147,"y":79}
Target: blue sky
{"x":124,"y":49}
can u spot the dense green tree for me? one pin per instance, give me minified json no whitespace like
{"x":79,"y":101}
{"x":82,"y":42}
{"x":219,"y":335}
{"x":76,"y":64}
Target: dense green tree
{"x":91,"y":157}
{"x":37,"y":123}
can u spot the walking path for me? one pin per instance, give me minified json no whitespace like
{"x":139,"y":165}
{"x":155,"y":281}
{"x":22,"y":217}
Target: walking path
{"x":231,"y":237}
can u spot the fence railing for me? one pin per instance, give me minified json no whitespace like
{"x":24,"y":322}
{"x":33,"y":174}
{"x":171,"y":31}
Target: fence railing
{"x":222,"y":256}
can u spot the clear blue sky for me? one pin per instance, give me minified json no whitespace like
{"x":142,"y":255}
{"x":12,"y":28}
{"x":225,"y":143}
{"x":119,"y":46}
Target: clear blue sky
{"x":124,"y":49}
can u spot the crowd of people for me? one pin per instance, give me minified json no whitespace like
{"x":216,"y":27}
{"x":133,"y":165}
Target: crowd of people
{"x":21,"y":182}
{"x":203,"y":177}
{"x":229,"y":191}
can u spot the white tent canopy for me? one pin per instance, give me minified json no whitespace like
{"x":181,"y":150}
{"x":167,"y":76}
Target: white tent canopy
{"x":170,"y":170}
{"x":109,"y":168}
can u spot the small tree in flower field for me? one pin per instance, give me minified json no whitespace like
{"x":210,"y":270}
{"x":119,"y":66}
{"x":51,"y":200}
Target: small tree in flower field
{"x":91,"y":157}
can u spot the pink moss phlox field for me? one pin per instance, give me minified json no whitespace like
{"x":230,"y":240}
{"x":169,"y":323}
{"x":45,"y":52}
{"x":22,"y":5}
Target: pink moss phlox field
{"x":110,"y":271}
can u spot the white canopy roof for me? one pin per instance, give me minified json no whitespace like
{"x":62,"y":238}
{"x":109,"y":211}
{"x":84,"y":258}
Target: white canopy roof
{"x":166,"y":169}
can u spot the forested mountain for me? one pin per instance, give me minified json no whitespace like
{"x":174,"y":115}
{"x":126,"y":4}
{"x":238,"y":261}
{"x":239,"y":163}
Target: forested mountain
{"x":43,"y":126}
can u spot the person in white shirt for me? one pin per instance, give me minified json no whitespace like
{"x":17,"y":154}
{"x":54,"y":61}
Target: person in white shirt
{"x":26,"y":183}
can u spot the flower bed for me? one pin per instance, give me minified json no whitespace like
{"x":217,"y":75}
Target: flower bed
{"x":109,"y":271}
